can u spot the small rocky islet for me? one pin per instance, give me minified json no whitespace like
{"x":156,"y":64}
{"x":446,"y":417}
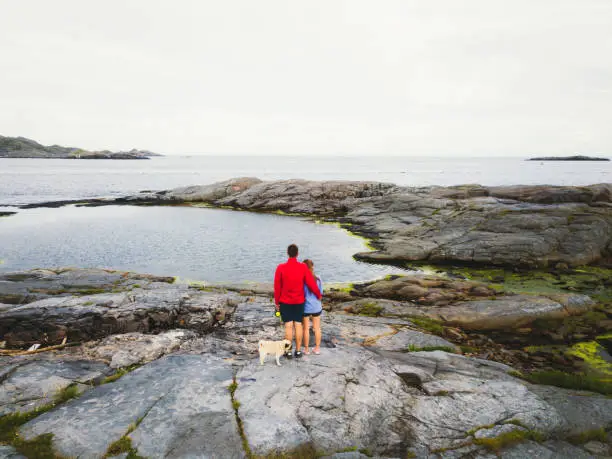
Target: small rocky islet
{"x":497,"y":346}
{"x":21,"y":147}
{"x":568,"y":158}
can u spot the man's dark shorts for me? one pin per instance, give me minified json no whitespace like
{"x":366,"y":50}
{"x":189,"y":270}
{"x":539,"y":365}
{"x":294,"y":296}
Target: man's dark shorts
{"x":292,"y":312}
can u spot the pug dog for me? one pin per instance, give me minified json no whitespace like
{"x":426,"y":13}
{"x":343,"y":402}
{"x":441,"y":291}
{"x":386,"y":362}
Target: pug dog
{"x":277,"y":348}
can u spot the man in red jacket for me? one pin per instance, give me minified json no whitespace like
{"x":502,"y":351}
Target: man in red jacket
{"x":289,"y":281}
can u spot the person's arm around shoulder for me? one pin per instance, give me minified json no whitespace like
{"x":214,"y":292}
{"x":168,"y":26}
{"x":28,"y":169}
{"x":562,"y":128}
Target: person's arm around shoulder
{"x":311,"y":283}
{"x":278,"y":284}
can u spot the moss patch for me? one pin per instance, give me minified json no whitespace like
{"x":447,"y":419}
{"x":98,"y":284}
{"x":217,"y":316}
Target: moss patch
{"x":587,"y":436}
{"x":236,"y":405}
{"x":305,"y":451}
{"x":11,"y":422}
{"x":413,"y":348}
{"x":67,"y":393}
{"x":576,"y":381}
{"x":119,"y":373}
{"x":428,"y":324}
{"x":40,"y":447}
{"x":370,"y":309}
{"x":124,"y":444}
{"x":508,"y":439}
{"x":590,"y":280}
{"x":591,"y":353}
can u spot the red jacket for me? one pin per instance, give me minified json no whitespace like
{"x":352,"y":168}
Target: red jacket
{"x":289,"y":281}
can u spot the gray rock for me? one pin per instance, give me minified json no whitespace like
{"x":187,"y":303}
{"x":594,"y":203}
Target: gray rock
{"x":509,"y":312}
{"x":446,"y":303}
{"x":8,"y":452}
{"x":180,"y":403}
{"x":136,"y":348}
{"x":404,"y":339}
{"x":96,"y":316}
{"x":581,"y":410}
{"x":547,"y":450}
{"x":498,"y":430}
{"x":326,"y":400}
{"x":597,"y":448}
{"x":27,"y":286}
{"x":430,"y":400}
{"x":29,"y":384}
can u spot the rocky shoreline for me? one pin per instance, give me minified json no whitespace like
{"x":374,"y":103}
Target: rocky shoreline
{"x":500,"y":346}
{"x":513,"y":226}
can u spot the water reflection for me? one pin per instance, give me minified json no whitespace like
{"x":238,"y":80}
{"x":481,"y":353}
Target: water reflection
{"x":194,"y":243}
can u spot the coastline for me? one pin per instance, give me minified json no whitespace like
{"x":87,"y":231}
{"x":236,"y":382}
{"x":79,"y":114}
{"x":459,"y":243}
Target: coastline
{"x":435,"y":344}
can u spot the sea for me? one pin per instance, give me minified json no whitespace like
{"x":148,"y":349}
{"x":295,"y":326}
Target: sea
{"x":217,"y":245}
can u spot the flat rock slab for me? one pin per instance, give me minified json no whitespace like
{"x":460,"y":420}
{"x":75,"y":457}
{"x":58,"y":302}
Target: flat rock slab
{"x":136,"y":348}
{"x":582,"y":410}
{"x":83,"y":318}
{"x":27,"y":286}
{"x":391,"y":403}
{"x":546,"y":450}
{"x":27,"y":384}
{"x":513,"y":311}
{"x":181,"y":405}
{"x":335,"y":400}
{"x":406,"y":339}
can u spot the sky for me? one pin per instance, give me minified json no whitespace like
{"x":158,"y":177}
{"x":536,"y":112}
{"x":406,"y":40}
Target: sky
{"x":315,"y":77}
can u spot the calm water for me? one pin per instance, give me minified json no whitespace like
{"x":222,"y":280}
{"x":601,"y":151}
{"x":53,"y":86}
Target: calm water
{"x":193,"y":243}
{"x":217,"y":245}
{"x":33,"y":180}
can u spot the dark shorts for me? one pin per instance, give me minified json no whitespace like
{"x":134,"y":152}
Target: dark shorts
{"x":292,"y":312}
{"x":313,"y":314}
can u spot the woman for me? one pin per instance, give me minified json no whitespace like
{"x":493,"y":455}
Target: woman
{"x":312,"y":308}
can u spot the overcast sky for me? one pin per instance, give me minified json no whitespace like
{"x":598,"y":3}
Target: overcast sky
{"x":414,"y":77}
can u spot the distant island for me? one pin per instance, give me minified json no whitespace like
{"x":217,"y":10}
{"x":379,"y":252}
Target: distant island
{"x":20,"y":147}
{"x":568,"y":158}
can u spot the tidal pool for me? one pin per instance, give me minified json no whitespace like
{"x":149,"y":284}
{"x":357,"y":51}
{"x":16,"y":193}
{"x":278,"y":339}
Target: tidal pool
{"x":212,"y":245}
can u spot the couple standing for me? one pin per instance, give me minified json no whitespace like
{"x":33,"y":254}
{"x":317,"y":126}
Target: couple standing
{"x":297,"y":294}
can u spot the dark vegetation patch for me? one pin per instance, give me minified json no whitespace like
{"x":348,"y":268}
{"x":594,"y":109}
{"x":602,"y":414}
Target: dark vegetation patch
{"x":576,"y":381}
{"x":413,"y":348}
{"x":507,"y":439}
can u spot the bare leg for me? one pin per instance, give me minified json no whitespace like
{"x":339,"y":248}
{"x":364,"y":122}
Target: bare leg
{"x":316,"y":325}
{"x":289,"y":331}
{"x":262,"y":357}
{"x":298,"y":336}
{"x":306,"y":325}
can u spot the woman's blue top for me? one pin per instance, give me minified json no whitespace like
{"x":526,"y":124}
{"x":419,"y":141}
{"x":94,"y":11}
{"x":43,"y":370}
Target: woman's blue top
{"x":312,"y":304}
